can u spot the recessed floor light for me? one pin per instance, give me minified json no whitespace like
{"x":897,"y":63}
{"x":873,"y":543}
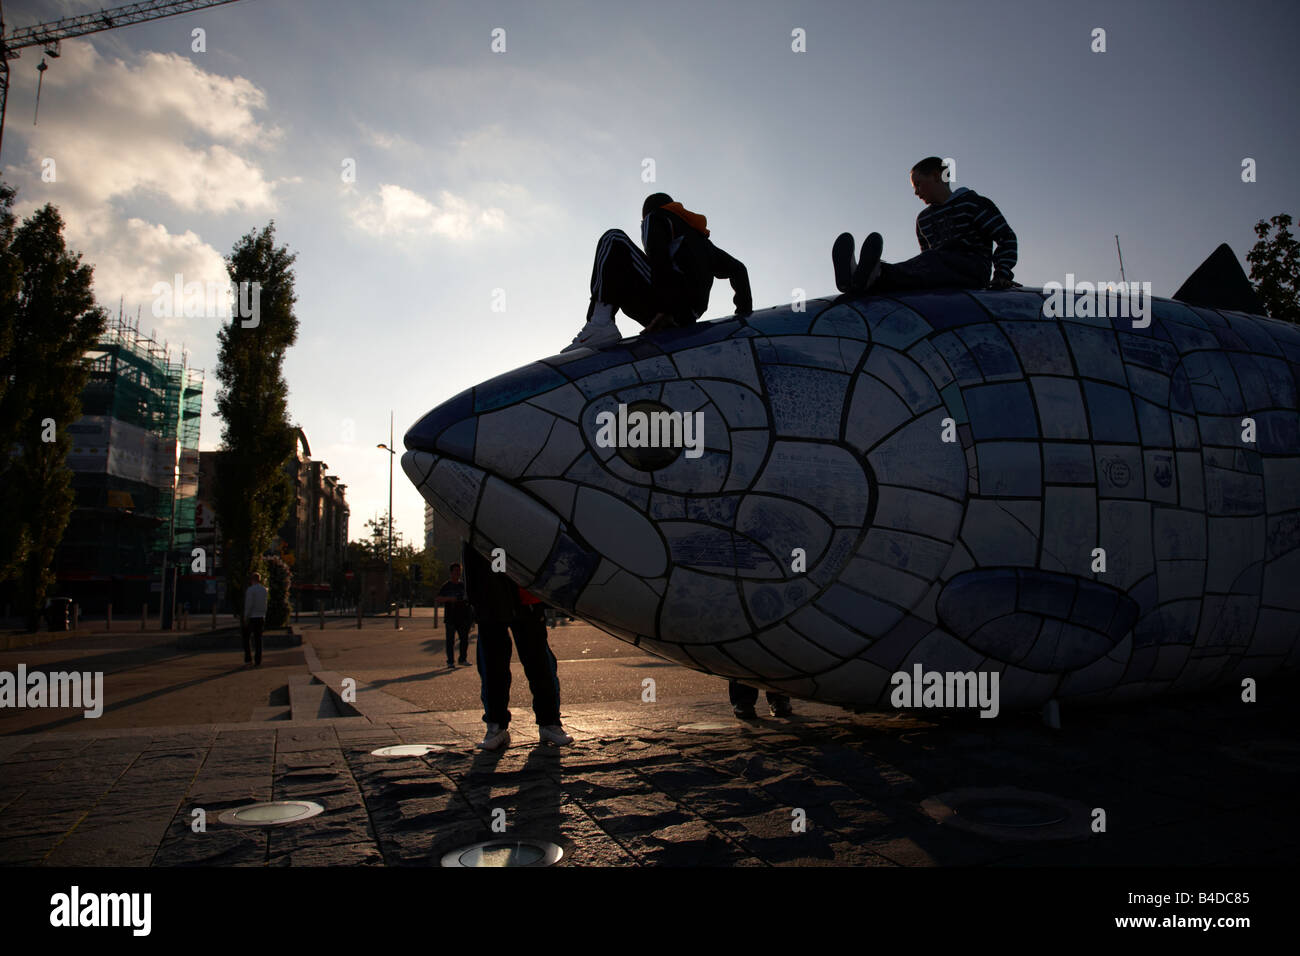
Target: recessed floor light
{"x":517,"y":852}
{"x":408,"y":750}
{"x":271,"y":814}
{"x":1010,"y":814}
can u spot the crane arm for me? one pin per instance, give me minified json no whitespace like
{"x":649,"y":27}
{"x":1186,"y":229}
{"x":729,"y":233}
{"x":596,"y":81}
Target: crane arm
{"x":45,"y":33}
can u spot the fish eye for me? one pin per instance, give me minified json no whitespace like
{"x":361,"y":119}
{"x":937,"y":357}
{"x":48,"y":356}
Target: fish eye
{"x":650,"y":457}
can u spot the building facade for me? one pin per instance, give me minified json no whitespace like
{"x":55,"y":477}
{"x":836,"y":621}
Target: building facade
{"x":312,"y":540}
{"x":135,"y":463}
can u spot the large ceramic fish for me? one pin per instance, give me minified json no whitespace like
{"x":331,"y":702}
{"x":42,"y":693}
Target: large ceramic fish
{"x":933,"y":479}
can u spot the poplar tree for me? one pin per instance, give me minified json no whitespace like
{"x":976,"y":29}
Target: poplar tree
{"x":253,"y":492}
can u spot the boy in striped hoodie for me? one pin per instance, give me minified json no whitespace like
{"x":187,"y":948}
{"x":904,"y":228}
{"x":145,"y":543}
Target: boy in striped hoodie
{"x":956,"y":231}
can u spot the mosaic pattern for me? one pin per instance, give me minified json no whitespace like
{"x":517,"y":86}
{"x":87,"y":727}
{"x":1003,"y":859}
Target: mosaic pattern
{"x":823,"y":433}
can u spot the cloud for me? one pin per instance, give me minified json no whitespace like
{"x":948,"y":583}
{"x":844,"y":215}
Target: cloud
{"x":396,"y":211}
{"x":158,"y":130}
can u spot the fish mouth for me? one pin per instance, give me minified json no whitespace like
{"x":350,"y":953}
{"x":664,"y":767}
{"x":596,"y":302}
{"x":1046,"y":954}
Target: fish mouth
{"x":487,"y":511}
{"x":541,"y":549}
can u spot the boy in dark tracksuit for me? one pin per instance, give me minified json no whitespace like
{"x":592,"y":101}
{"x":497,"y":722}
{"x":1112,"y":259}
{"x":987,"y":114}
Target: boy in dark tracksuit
{"x":500,"y":604}
{"x":955,"y":232}
{"x":666,"y":286}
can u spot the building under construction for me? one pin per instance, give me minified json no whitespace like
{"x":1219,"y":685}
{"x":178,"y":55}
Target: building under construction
{"x":135,"y":463}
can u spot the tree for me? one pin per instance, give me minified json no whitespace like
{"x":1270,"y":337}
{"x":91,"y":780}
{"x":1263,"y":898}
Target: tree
{"x":278,"y":601}
{"x":253,"y":492}
{"x":12,"y":417}
{"x":48,"y":321}
{"x":1275,"y":268}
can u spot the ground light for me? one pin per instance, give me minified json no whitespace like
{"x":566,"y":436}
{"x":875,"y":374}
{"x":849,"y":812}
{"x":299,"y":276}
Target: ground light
{"x":271,"y":814}
{"x":408,"y":750}
{"x":521,"y":851}
{"x":1010,"y":814}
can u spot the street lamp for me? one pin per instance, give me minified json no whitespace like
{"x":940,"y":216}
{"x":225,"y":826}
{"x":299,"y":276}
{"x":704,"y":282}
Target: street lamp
{"x":391,"y":454}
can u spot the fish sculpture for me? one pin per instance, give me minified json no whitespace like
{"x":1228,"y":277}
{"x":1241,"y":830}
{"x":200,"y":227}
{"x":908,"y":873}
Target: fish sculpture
{"x":817,"y":498}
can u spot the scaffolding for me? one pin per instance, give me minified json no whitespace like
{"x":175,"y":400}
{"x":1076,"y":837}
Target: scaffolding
{"x":136,"y":463}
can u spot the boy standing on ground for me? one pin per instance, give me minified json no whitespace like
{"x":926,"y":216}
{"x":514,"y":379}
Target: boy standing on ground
{"x":956,"y":231}
{"x":501,"y":610}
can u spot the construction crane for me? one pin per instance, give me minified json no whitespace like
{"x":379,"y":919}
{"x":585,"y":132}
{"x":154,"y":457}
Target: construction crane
{"x":49,"y":35}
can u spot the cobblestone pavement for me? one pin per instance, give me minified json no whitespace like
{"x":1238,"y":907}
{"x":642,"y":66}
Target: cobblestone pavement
{"x":1193,"y":781}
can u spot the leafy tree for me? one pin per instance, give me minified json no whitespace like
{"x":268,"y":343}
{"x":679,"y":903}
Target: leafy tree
{"x":279,"y":578}
{"x":48,"y":321}
{"x":1275,"y":268}
{"x":253,"y":492}
{"x":12,"y":416}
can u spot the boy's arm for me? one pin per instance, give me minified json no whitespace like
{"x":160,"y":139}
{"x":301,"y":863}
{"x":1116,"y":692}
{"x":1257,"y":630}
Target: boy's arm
{"x":729,"y":267}
{"x":992,"y":224}
{"x":920,"y":237}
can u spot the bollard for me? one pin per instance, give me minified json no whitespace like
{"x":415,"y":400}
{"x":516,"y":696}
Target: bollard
{"x":322,"y":617}
{"x":435,"y":614}
{"x":108,"y":619}
{"x":144,"y":615}
{"x":214,"y":614}
{"x":76,"y":615}
{"x":358,"y":615}
{"x":410,"y":610}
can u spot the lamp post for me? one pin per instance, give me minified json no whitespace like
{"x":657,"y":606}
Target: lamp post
{"x":391,"y":454}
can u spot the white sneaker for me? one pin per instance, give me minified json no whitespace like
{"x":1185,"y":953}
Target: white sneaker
{"x":554,"y":733}
{"x":594,"y":336}
{"x":599,"y":331}
{"x":496,"y":738}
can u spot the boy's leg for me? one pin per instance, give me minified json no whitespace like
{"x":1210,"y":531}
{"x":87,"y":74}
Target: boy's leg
{"x":843,"y":261}
{"x":451,"y":641}
{"x":464,"y":643}
{"x":933,"y":269}
{"x":539,"y":666}
{"x":779,"y":704}
{"x":621,"y":276}
{"x":246,"y":632}
{"x":742,"y":695}
{"x":494,"y":673}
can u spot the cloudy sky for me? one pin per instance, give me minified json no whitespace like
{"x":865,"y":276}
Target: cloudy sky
{"x":478,"y":171}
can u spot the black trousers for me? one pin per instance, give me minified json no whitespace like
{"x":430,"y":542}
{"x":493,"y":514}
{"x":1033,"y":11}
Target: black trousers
{"x":742,"y":695}
{"x":253,"y":630}
{"x":621,"y":276}
{"x":452,"y":631}
{"x":933,"y":269}
{"x":535,"y":655}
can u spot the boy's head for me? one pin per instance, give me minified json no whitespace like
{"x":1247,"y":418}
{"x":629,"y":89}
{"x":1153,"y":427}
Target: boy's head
{"x":653,"y":202}
{"x":256,"y":578}
{"x":454,"y":571}
{"x":928,"y":182}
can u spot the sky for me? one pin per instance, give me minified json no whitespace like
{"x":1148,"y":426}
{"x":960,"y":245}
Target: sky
{"x":444,"y":197}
